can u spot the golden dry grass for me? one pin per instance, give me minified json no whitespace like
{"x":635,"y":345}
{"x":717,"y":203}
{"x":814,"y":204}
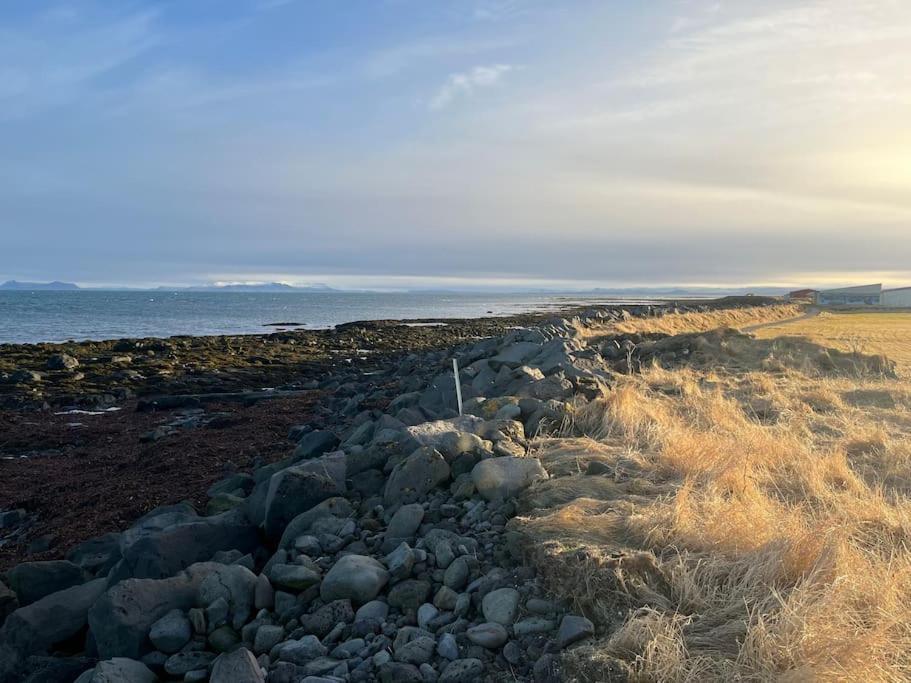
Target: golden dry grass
{"x":880,"y":332}
{"x":677,"y":323}
{"x":748,"y":524}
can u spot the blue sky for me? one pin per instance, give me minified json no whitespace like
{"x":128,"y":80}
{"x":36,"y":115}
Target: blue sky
{"x":412,"y":142}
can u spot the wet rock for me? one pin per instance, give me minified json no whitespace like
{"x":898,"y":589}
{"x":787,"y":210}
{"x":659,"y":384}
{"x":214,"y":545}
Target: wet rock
{"x":62,"y":361}
{"x":500,"y":478}
{"x":358,"y":578}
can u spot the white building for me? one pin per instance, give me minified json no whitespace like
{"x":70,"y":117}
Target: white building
{"x":897,"y":298}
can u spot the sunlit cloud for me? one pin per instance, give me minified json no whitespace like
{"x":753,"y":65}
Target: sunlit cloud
{"x":464,"y":84}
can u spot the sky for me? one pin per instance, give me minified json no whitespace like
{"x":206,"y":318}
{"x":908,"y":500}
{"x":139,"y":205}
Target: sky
{"x":387,"y":143}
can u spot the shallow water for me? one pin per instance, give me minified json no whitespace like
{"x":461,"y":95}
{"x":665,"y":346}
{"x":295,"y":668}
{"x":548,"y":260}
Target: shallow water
{"x":27,"y":317}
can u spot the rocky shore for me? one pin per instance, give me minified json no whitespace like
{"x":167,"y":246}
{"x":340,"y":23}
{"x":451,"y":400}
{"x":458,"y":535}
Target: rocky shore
{"x":375,"y":547}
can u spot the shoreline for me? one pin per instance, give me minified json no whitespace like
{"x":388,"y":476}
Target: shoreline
{"x":93,"y":476}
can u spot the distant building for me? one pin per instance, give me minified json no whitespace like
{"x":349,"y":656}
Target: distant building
{"x":897,"y":298}
{"x":865,"y":295}
{"x":808,"y":295}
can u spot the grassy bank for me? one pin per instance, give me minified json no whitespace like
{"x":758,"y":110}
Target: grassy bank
{"x":740,"y":517}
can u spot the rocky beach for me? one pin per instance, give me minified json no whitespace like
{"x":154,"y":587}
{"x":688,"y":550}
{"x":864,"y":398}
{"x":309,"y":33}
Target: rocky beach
{"x":298,"y":506}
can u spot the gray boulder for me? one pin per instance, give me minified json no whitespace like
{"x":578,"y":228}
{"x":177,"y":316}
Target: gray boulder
{"x":501,"y":606}
{"x":97,"y":555}
{"x":171,"y":632}
{"x":315,"y":444}
{"x":121,"y":670}
{"x":358,"y":578}
{"x":62,"y":361}
{"x":574,"y":628}
{"x":297,"y":489}
{"x":53,"y":619}
{"x":489,"y":635}
{"x":121,"y":618}
{"x":234,"y":583}
{"x":501,"y":478}
{"x":402,"y":526}
{"x":239,"y":666}
{"x":300,"y":525}
{"x":416,"y":476}
{"x":33,"y":580}
{"x":168,"y":543}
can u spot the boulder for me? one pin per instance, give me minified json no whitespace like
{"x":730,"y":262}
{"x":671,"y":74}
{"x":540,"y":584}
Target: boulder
{"x":416,"y":476}
{"x":358,"y":578}
{"x":315,"y":444}
{"x":121,"y":618}
{"x":403,"y":526}
{"x":8,"y":602}
{"x":297,"y":489}
{"x":501,"y":478}
{"x":239,"y":666}
{"x":118,"y":670}
{"x":300,"y":525}
{"x":514,"y":355}
{"x":166,"y":544}
{"x":97,"y":555}
{"x":62,"y":361}
{"x":574,"y":628}
{"x":234,"y":583}
{"x":171,"y":632}
{"x":33,"y":580}
{"x":462,"y":671}
{"x":501,"y":606}
{"x":52,"y":619}
{"x":293,"y":577}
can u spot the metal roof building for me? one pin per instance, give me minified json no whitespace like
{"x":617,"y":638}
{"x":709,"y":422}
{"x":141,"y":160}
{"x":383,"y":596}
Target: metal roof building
{"x":897,"y":298}
{"x":865,"y":295}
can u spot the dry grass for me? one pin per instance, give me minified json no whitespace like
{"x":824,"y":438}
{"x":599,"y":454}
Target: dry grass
{"x":880,"y":332}
{"x":745,"y":524}
{"x":676,"y":323}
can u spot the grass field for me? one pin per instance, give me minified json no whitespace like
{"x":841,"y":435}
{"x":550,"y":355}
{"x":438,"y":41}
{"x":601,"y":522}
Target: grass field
{"x":880,"y":332}
{"x":741,"y":516}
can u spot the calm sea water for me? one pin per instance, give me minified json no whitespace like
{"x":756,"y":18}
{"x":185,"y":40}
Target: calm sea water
{"x":27,"y":317}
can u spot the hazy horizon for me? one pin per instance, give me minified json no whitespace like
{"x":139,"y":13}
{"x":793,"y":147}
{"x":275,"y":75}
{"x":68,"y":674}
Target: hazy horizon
{"x":501,"y":143}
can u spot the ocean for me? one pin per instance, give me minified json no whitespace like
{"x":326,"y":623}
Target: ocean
{"x":55,"y":316}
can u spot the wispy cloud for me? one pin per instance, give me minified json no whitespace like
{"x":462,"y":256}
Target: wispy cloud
{"x":463,"y":84}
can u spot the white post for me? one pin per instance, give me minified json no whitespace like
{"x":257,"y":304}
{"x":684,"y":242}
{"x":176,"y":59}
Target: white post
{"x":455,"y":374}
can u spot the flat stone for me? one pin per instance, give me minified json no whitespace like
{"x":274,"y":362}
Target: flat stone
{"x":267,"y":637}
{"x":532,"y":625}
{"x":239,"y":666}
{"x":294,"y":577}
{"x":490,"y":635}
{"x":122,"y":670}
{"x":302,"y":651}
{"x":402,"y":526}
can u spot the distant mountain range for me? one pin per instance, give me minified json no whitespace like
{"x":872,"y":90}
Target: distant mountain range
{"x":265,"y":287}
{"x":39,"y":286}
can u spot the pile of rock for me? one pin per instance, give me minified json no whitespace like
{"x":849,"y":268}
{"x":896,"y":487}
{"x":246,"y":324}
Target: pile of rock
{"x":377,"y":553}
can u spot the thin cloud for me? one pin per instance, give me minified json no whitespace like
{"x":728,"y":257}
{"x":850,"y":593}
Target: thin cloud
{"x":464,"y":84}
